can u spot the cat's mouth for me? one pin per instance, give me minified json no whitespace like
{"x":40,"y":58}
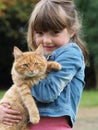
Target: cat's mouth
{"x":30,"y":75}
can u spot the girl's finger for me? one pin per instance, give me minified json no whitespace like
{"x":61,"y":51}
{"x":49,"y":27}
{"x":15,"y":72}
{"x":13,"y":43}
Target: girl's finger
{"x":11,"y":111}
{"x":7,"y":123}
{"x":13,"y":117}
{"x":10,"y":121}
{"x":6,"y":105}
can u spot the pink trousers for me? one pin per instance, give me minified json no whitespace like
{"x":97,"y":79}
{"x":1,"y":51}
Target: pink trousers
{"x":51,"y":123}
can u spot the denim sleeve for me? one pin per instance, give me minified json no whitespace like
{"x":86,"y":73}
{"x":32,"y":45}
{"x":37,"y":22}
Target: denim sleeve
{"x":50,"y":88}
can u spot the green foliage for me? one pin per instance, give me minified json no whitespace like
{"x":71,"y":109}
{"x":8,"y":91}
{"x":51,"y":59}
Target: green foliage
{"x":89,"y":11}
{"x":14,"y":16}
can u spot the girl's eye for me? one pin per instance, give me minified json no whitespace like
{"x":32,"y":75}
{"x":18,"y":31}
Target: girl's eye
{"x":56,"y":31}
{"x":39,"y":33}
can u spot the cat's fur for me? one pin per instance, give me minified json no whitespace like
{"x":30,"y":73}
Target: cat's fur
{"x":28,"y":69}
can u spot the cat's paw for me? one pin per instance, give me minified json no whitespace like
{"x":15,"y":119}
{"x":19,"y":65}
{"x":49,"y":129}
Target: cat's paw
{"x":57,"y":66}
{"x":35,"y":119}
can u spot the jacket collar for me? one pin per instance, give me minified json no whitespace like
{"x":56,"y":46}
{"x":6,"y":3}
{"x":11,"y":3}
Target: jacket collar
{"x":58,"y":51}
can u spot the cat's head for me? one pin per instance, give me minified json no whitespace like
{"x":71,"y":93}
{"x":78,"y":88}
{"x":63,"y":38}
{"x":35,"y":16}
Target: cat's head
{"x":29,"y":64}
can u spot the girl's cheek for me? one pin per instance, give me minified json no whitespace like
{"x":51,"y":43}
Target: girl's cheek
{"x":37,"y":41}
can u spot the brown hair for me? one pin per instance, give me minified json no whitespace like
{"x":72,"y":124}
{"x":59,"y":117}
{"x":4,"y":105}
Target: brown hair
{"x":55,"y":15}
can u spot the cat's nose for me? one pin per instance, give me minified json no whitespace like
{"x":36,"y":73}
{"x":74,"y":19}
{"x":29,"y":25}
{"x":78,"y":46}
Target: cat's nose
{"x":31,"y":71}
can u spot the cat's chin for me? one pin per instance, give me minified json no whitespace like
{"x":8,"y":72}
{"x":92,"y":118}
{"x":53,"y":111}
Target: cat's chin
{"x":30,"y":75}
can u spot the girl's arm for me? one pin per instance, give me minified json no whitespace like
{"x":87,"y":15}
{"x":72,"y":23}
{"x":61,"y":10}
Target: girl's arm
{"x":50,"y":88}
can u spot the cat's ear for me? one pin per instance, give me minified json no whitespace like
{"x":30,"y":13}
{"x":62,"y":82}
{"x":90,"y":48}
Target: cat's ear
{"x":17,"y":52}
{"x":39,"y":50}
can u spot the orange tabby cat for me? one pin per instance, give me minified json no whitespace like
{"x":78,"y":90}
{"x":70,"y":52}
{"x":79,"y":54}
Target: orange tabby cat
{"x":28,"y":69}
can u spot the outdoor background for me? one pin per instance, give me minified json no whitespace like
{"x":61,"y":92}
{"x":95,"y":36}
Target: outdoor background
{"x":14,"y":16}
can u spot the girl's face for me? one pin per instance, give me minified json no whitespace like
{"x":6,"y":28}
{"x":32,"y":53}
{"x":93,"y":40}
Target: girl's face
{"x":52,"y":40}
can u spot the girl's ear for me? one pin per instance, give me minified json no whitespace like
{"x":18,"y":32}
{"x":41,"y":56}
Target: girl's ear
{"x":72,"y":34}
{"x":39,"y":50}
{"x":17,"y":52}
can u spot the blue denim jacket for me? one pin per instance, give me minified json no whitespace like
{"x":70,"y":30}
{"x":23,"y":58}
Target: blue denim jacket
{"x":59,"y":94}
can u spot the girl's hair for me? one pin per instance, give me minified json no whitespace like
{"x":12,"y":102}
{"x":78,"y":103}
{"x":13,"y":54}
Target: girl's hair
{"x":55,"y":15}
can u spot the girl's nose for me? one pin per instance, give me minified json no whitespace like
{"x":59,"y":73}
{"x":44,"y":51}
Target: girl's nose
{"x":47,"y":39}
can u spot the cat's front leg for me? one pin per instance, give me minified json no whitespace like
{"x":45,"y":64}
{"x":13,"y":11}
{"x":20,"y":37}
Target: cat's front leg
{"x":52,"y":65}
{"x":30,"y":104}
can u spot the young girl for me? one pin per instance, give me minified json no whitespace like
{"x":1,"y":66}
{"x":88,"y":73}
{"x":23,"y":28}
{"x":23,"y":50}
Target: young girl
{"x":55,"y":25}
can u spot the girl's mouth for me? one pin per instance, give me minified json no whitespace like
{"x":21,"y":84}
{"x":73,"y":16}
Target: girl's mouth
{"x":49,"y":47}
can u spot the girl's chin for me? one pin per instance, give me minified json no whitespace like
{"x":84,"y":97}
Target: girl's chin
{"x":48,"y":53}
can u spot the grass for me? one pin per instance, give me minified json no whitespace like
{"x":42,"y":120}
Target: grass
{"x":89,"y":98}
{"x":2,"y":93}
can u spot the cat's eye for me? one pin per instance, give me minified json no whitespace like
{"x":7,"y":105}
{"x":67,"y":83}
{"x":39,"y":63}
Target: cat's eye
{"x":25,"y":65}
{"x":36,"y":63}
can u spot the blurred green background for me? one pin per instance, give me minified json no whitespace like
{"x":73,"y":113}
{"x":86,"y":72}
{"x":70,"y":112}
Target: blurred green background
{"x":14,"y":16}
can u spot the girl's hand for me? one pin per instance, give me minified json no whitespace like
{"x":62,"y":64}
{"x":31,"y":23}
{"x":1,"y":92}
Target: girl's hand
{"x":9,"y":116}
